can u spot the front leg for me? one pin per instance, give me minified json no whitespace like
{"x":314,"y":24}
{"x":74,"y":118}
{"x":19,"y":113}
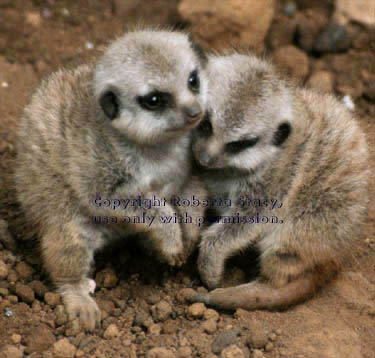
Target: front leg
{"x":67,"y":254}
{"x":218,"y":243}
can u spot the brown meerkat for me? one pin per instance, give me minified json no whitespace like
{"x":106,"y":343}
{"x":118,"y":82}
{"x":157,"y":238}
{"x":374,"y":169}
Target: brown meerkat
{"x":100,"y":140}
{"x":294,"y":166}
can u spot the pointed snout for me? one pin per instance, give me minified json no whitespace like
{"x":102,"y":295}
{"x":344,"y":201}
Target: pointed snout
{"x":193,"y":112}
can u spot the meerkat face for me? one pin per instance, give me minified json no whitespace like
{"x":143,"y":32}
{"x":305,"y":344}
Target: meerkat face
{"x":151,"y":85}
{"x":248,"y":118}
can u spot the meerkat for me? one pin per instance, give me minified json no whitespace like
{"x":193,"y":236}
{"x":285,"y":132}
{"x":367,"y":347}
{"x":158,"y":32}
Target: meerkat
{"x":107,"y":132}
{"x":294,"y":165}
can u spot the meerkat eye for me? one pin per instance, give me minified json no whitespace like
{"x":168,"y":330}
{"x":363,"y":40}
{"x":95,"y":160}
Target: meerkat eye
{"x":154,"y":101}
{"x":193,"y":81}
{"x":109,"y":104}
{"x":282,"y":133}
{"x":205,"y":127}
{"x":239,"y":146}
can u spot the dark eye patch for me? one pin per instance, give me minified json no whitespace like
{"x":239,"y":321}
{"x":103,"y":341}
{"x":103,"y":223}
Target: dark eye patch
{"x":205,"y":127}
{"x":282,"y":133}
{"x":239,"y":146}
{"x":155,"y":101}
{"x":109,"y":104}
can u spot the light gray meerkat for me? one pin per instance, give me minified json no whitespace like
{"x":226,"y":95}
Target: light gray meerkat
{"x":305,"y":159}
{"x":118,"y":129}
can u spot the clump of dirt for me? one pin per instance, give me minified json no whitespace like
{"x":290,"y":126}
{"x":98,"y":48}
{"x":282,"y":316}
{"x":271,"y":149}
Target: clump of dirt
{"x":144,"y":314}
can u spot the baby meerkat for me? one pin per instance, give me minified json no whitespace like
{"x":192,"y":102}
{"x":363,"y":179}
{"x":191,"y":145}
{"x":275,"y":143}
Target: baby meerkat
{"x":294,"y":165}
{"x":110,"y":132}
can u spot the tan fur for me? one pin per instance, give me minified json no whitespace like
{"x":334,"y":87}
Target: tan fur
{"x":319,"y":172}
{"x":73,"y":148}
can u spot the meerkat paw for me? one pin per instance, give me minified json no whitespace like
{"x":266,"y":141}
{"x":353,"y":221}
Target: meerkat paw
{"x":210,"y":264}
{"x":79,"y":304}
{"x":173,"y":253}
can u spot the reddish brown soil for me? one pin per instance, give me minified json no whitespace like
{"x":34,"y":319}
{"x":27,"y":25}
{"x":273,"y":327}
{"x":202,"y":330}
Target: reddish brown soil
{"x":338,"y":322}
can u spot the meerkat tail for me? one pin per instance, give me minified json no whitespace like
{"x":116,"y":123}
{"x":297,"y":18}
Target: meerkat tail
{"x":258,"y":295}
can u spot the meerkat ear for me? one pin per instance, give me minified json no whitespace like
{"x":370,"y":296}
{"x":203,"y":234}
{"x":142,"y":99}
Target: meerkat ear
{"x":199,"y":52}
{"x":282,"y":133}
{"x":109,"y":104}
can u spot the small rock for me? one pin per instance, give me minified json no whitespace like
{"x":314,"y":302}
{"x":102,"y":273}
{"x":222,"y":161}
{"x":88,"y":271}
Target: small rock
{"x":211,"y":314}
{"x":63,"y":349}
{"x":183,"y":293}
{"x":232,"y":352}
{"x":321,"y":81}
{"x":33,"y":19}
{"x":216,"y":23}
{"x":4,"y":292}
{"x":39,"y":339}
{"x":16,"y":338}
{"x":209,"y":326}
{"x":24,"y":270}
{"x":36,"y":307}
{"x":257,"y":354}
{"x":12,"y":276}
{"x":242,"y":314}
{"x":195,"y":311}
{"x":361,"y":11}
{"x":73,"y":328}
{"x":13,"y":299}
{"x":106,"y":278}
{"x":153,"y":299}
{"x":161,"y":311}
{"x":39,"y":288}
{"x":140,"y":319}
{"x":53,"y":299}
{"x":224,"y":339}
{"x":25,"y":293}
{"x":3,"y":270}
{"x":111,"y":332}
{"x":184,"y":352}
{"x":154,"y":329}
{"x":160,"y":352}
{"x":268,"y":347}
{"x":61,"y":316}
{"x":278,"y":332}
{"x":334,"y":38}
{"x":256,"y":336}
{"x":11,"y":352}
{"x":272,"y":337}
{"x":292,"y":61}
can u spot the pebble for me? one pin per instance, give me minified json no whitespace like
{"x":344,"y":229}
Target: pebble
{"x":11,"y":352}
{"x":53,"y":299}
{"x":293,"y":61}
{"x":272,"y":337}
{"x":161,"y":311}
{"x":3,"y":270}
{"x":13,"y":299}
{"x":24,"y":270}
{"x":211,"y":314}
{"x":184,"y":352}
{"x":256,"y":336}
{"x":106,"y":278}
{"x":39,"y":339}
{"x":16,"y":338}
{"x":154,"y":329}
{"x":63,"y":349}
{"x":4,"y":292}
{"x":268,"y":347}
{"x":140,"y":318}
{"x":111,"y":332}
{"x":61,"y":316}
{"x":210,"y":326}
{"x":12,"y":276}
{"x":25,"y":293}
{"x":334,"y":38}
{"x":36,"y":307}
{"x":181,"y":294}
{"x":33,"y":19}
{"x":195,"y":311}
{"x":160,"y":352}
{"x":232,"y":352}
{"x":224,"y":339}
{"x":39,"y":288}
{"x":257,"y":354}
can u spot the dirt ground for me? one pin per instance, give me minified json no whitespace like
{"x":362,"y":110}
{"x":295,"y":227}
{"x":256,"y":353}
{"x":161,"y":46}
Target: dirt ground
{"x":141,"y":303}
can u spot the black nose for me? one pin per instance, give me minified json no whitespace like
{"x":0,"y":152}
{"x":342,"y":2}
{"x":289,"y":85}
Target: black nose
{"x":193,"y":111}
{"x":205,"y":160}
